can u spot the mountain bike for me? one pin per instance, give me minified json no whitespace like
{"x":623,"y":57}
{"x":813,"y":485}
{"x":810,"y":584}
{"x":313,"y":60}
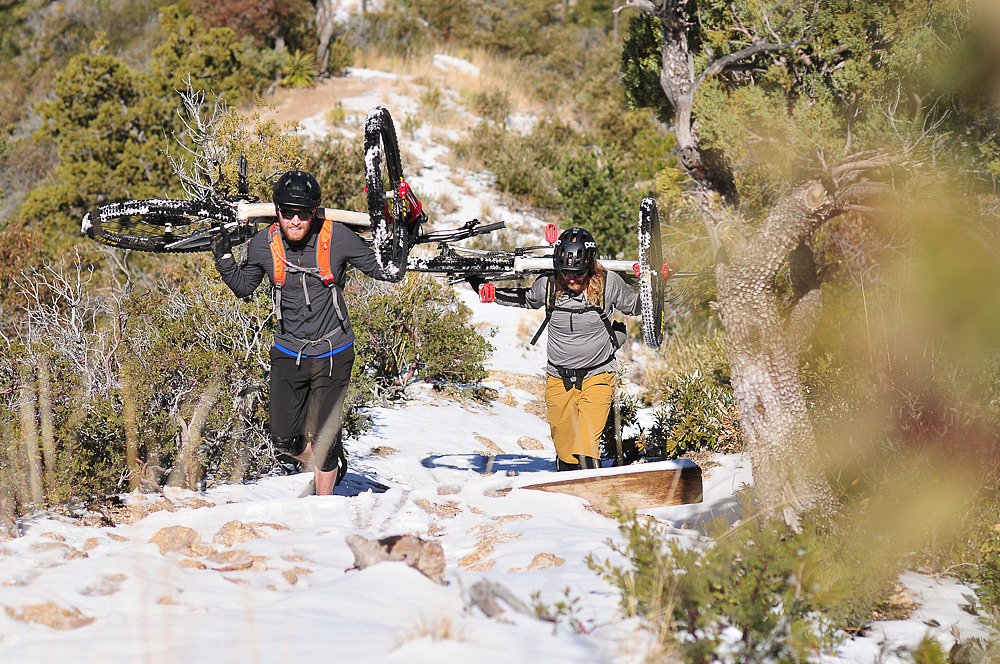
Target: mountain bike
{"x":393,"y":224}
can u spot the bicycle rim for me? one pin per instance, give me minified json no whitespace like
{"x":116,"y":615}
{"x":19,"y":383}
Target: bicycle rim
{"x":383,"y":175}
{"x":650,"y":279}
{"x":160,"y":226}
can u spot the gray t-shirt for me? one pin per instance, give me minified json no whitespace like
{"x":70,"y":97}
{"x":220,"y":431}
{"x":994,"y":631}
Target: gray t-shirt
{"x":578,"y":338}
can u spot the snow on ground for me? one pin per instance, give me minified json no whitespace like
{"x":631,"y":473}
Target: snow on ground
{"x":287,"y":592}
{"x":449,"y":471}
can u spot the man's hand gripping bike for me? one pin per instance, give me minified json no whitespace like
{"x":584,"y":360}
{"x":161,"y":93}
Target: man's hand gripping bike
{"x":393,"y":222}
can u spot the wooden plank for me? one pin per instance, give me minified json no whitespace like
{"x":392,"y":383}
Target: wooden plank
{"x":657,"y":484}
{"x":245,"y":210}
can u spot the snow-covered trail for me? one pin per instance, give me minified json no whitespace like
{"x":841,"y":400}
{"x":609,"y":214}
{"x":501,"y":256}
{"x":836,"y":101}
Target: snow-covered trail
{"x":264,"y":576}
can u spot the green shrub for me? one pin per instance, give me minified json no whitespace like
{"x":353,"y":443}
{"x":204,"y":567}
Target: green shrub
{"x":339,"y":167}
{"x":929,"y":651}
{"x":595,"y":193}
{"x":523,"y":165}
{"x":698,"y":413}
{"x":414,"y":329}
{"x":341,"y":56}
{"x":494,"y":105}
{"x":392,"y":31}
{"x":786,"y":595}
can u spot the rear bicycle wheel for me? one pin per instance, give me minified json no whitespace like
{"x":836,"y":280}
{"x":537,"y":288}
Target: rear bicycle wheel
{"x":650,"y":276}
{"x":383,"y":175}
{"x":160,"y":226}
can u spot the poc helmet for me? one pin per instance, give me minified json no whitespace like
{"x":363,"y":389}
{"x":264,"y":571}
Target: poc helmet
{"x":297,"y":190}
{"x":575,"y":252}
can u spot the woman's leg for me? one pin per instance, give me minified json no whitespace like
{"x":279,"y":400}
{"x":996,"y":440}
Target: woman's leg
{"x":561,"y":408}
{"x":593,"y":406}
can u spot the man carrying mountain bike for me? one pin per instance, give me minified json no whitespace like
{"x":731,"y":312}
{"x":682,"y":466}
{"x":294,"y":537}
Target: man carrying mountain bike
{"x":581,"y":371}
{"x":306,"y":260}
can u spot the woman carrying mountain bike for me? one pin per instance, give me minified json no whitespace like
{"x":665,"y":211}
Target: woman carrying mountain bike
{"x":306,"y":260}
{"x":581,"y":371}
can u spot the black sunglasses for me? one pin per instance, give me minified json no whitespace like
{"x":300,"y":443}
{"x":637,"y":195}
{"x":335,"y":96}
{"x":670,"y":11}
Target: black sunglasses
{"x":288,"y":212}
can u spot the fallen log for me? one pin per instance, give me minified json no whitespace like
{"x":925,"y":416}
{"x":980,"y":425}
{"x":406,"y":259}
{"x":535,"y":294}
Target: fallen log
{"x":639,"y":486}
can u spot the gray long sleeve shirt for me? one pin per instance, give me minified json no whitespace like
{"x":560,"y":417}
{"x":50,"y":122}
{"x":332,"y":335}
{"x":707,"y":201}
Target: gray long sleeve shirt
{"x":578,"y":338}
{"x":302,"y":325}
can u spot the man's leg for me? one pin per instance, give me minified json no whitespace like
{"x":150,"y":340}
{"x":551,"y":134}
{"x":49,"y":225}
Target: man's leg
{"x":326,"y":416}
{"x":289,"y":387}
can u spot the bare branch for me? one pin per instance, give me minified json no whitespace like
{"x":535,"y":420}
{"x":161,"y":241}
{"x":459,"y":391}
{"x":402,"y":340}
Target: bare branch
{"x":840,"y":171}
{"x":725,"y":61}
{"x":645,"y":6}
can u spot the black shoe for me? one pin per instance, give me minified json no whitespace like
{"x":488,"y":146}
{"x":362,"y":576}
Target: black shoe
{"x":588,"y":463}
{"x":562,"y":465}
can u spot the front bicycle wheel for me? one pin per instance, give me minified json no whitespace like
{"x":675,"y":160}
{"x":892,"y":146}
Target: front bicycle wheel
{"x":650,"y":276}
{"x":160,"y":226}
{"x":387,"y":211}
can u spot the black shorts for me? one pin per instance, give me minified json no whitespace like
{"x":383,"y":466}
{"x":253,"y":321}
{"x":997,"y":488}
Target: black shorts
{"x":308,"y":400}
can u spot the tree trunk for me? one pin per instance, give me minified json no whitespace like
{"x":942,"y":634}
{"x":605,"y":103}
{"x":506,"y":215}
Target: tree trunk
{"x":29,"y":441}
{"x":763,"y":355}
{"x":187,"y":471}
{"x":325,"y":24}
{"x":130,"y":422}
{"x":762,"y":349}
{"x":48,"y":427}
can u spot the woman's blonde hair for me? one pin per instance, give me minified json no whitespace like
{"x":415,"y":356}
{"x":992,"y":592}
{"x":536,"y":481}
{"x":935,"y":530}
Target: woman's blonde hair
{"x":593,"y":283}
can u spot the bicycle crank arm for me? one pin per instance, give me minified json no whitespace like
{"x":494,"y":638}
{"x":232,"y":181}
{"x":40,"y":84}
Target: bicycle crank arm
{"x":246,"y":211}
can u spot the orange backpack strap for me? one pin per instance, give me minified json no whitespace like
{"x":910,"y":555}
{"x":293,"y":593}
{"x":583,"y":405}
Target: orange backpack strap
{"x":323,"y":252}
{"x":277,"y":254}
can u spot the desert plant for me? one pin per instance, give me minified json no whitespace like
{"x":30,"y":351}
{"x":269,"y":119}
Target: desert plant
{"x":767,"y":594}
{"x":299,"y":70}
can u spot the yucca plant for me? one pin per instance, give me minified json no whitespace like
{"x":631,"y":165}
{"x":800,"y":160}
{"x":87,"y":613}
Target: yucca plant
{"x":299,"y":70}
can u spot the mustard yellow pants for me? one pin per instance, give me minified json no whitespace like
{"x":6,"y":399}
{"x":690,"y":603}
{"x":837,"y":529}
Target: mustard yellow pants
{"x":577,"y":417}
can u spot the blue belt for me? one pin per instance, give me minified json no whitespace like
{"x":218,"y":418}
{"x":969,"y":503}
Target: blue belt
{"x":327,"y":354}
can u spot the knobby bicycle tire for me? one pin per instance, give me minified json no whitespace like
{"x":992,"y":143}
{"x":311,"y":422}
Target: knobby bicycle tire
{"x":383,"y":175}
{"x":160,"y":226}
{"x":650,"y":278}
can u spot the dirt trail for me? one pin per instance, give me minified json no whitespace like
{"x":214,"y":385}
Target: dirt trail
{"x":301,"y":103}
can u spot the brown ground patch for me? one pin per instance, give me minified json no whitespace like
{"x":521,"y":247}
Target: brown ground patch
{"x":537,"y":408}
{"x":529,"y":443}
{"x":108,"y":584}
{"x":50,"y":615}
{"x":300,"y":103}
{"x":292,"y":575}
{"x":529,"y":384}
{"x":545,"y":561}
{"x":490,"y":536}
{"x":703,"y":458}
{"x":488,"y":444}
{"x":67,"y":552}
{"x":900,"y":605}
{"x":447,"y":511}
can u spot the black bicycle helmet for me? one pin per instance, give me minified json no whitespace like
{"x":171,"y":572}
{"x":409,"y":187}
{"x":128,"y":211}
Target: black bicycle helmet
{"x":297,"y":190}
{"x":575,"y":251}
